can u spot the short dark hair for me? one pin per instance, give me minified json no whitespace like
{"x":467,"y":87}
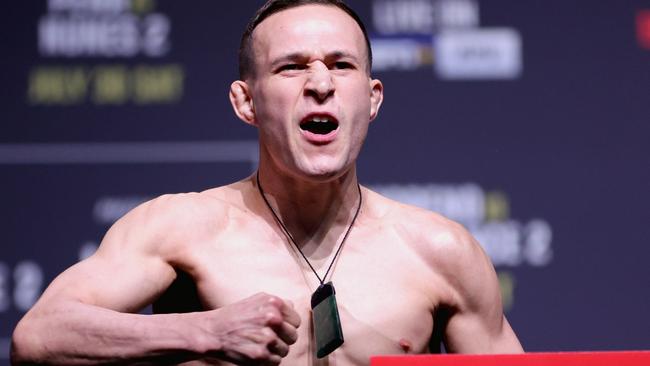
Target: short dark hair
{"x":246,"y":58}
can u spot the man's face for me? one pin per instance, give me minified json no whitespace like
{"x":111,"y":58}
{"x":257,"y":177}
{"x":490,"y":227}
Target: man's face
{"x":312,"y":97}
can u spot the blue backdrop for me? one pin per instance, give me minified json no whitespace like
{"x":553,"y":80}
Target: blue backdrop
{"x":526,"y":121}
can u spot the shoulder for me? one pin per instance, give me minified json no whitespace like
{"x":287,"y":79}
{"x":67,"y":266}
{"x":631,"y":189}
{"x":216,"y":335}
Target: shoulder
{"x":419,"y":225}
{"x":165,"y":222}
{"x":447,"y":247}
{"x":182,"y":210}
{"x":171,"y":211}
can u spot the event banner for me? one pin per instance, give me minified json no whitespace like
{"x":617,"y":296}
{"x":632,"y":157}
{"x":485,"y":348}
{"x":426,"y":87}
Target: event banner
{"x":526,"y":122}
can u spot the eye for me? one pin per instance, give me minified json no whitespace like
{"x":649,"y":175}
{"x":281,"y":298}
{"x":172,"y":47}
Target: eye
{"x":291,"y":67}
{"x":342,"y":65}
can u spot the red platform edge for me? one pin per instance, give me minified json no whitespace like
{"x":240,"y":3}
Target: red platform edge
{"x":618,"y":358}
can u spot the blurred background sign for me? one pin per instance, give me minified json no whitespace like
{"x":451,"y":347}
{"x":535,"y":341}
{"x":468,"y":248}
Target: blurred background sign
{"x":526,"y":122}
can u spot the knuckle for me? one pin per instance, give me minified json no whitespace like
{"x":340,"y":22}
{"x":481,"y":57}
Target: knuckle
{"x":273,"y":317}
{"x":260,"y":353}
{"x":274,"y":300}
{"x":268,"y":335}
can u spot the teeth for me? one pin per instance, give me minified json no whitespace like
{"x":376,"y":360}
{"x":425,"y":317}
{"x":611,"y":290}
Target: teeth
{"x":321,"y":119}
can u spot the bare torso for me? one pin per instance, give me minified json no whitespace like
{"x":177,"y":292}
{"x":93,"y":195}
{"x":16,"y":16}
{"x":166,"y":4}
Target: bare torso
{"x":229,"y":284}
{"x":386,"y":291}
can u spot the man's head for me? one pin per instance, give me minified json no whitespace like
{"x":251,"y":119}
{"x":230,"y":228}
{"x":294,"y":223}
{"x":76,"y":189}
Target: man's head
{"x":311,"y":96}
{"x":246,"y":52}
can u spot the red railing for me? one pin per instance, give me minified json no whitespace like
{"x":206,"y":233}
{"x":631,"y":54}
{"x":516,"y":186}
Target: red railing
{"x":627,"y":358}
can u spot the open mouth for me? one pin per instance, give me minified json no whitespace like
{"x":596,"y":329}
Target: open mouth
{"x":319,"y":125}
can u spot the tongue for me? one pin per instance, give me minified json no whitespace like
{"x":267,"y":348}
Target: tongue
{"x":319,"y":128}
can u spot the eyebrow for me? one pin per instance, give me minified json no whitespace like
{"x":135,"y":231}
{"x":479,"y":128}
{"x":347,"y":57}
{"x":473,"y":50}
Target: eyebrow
{"x":299,"y":56}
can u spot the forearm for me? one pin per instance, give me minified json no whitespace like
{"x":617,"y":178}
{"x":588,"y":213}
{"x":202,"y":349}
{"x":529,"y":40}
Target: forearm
{"x":80,"y":334}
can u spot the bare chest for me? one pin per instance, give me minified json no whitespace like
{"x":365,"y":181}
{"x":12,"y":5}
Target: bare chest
{"x":384,"y":292}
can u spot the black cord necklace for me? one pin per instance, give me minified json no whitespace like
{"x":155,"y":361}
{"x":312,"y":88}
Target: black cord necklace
{"x":327,"y":323}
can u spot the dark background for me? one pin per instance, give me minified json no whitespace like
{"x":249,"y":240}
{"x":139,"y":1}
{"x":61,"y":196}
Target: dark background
{"x":565,"y":142}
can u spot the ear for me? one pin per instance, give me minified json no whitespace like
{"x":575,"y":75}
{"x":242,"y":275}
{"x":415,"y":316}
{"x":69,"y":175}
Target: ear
{"x":242,"y":102}
{"x":376,"y":97}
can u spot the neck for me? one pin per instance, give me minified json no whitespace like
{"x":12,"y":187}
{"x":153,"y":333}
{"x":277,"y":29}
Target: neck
{"x":315,"y":213}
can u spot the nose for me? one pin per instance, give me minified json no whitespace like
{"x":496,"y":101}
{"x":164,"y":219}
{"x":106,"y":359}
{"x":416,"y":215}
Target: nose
{"x":319,"y":83}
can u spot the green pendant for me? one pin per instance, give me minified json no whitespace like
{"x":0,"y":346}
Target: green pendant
{"x":327,"y":324}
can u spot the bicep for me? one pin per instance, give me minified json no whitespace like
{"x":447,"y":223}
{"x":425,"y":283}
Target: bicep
{"x":125,"y":274}
{"x":472,"y":333}
{"x":111,"y":283}
{"x":478,"y":324}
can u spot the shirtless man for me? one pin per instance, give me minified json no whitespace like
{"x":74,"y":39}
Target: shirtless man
{"x":406,"y":279}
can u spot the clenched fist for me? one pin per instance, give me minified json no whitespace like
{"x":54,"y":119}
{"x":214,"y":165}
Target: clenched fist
{"x":255,"y":331}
